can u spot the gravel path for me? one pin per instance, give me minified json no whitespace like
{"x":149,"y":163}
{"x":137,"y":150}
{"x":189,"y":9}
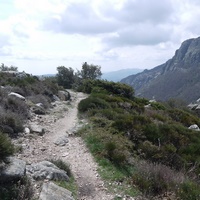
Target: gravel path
{"x":84,"y":168}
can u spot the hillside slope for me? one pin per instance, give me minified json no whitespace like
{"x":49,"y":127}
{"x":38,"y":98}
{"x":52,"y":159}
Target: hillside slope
{"x":179,"y":77}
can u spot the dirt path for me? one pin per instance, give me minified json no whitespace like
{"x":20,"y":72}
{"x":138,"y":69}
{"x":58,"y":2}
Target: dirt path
{"x":83,"y":166}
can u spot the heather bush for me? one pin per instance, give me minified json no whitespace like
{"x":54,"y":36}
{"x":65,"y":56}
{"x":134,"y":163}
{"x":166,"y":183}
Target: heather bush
{"x":92,"y":103}
{"x":111,"y":87}
{"x":154,"y":179}
{"x":183,"y":117}
{"x":157,"y":106}
{"x":189,"y":191}
{"x":10,"y":123}
{"x":117,"y":149}
{"x":45,"y":100}
{"x":6,"y":147}
{"x":22,"y":190}
{"x":18,"y":106}
{"x":62,"y":165}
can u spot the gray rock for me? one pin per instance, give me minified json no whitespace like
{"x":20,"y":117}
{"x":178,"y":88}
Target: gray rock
{"x":40,"y":105}
{"x":192,"y":106}
{"x":37,"y":129}
{"x":51,"y":191}
{"x":55,"y":98}
{"x":13,"y":171}
{"x":64,"y":95}
{"x":62,"y":141}
{"x":27,"y":130}
{"x":46,"y":170}
{"x":194,"y":127}
{"x":168,"y":80}
{"x":19,"y":96}
{"x":38,"y":110}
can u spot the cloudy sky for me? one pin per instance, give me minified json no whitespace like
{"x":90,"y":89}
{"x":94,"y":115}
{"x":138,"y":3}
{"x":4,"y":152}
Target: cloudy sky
{"x":39,"y":36}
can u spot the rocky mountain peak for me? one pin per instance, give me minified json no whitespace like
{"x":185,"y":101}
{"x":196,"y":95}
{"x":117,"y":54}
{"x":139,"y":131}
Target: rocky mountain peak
{"x":188,"y":55}
{"x":174,"y":79}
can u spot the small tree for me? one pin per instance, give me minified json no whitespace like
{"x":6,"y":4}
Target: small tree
{"x":90,"y":71}
{"x":5,"y":68}
{"x":65,"y":76}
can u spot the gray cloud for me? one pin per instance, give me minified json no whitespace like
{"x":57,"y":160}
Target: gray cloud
{"x":138,"y":35}
{"x":139,"y":22}
{"x":19,"y":32}
{"x":79,"y":18}
{"x":4,"y":40}
{"x":140,"y":11}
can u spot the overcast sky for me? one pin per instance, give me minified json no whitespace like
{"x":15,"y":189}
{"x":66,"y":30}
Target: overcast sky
{"x":39,"y":36}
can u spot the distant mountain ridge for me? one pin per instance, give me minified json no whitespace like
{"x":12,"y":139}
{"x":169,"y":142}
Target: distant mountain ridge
{"x":119,"y":74}
{"x":178,"y":78}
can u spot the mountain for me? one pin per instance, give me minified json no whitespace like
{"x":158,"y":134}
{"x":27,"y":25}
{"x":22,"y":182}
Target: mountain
{"x":178,"y":78}
{"x":120,"y":74}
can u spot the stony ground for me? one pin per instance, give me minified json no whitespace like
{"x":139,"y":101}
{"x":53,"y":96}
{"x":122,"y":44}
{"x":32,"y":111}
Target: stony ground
{"x":60,"y":122}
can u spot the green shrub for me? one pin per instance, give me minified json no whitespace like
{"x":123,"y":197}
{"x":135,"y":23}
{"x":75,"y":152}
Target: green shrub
{"x":6,"y":147}
{"x":157,"y":106}
{"x":22,"y":190}
{"x":62,"y":165}
{"x":14,"y":105}
{"x":114,"y":153}
{"x":154,"y":179}
{"x":120,"y":89}
{"x":10,"y":123}
{"x":189,"y":191}
{"x":183,"y":117}
{"x":92,"y":103}
{"x":45,"y":100}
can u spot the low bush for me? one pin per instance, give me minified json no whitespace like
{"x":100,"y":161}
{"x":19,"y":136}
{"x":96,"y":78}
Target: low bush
{"x":119,"y":89}
{"x":183,"y":117}
{"x":45,"y":100}
{"x":157,"y":106}
{"x":6,"y":147}
{"x":22,"y":190}
{"x":92,"y":103}
{"x":154,"y":179}
{"x":10,"y":123}
{"x":189,"y":191}
{"x":62,"y":165}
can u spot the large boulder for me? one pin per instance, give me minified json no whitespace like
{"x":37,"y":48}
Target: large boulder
{"x":46,"y":170}
{"x":13,"y":171}
{"x":64,"y":95}
{"x":19,"y":96}
{"x":51,"y":191}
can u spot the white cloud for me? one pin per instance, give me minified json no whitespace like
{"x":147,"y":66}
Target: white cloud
{"x":79,"y":18}
{"x":111,"y":33}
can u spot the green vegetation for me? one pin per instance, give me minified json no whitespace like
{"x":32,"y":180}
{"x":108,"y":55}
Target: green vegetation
{"x":22,"y":190}
{"x":14,"y":111}
{"x":13,"y":114}
{"x":62,"y":165}
{"x":143,"y":146}
{"x":69,"y":185}
{"x":6,"y":147}
{"x":67,"y":78}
